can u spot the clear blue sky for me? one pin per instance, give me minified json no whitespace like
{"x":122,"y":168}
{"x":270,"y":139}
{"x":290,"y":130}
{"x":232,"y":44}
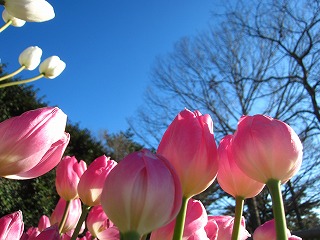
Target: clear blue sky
{"x":109,"y":48}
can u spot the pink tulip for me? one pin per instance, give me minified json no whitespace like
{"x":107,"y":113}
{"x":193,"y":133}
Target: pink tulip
{"x":49,"y":160}
{"x":267,"y":231}
{"x":293,"y":237}
{"x":97,"y":221}
{"x":111,"y":233}
{"x":265,"y":148}
{"x":194,"y":228}
{"x":68,"y":175}
{"x":33,"y":143}
{"x":88,"y":236}
{"x":11,"y":226}
{"x":212,"y":229}
{"x":189,"y":145}
{"x":92,"y":180}
{"x":44,"y":222}
{"x":30,"y":234}
{"x":33,"y":232}
{"x":141,"y":193}
{"x":74,"y":214}
{"x":50,"y":233}
{"x":68,"y":235}
{"x":236,"y":184}
{"x":225,"y":225}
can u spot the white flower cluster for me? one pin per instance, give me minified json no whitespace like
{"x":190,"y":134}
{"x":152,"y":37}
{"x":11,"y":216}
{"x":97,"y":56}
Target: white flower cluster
{"x":16,"y":13}
{"x":51,"y":67}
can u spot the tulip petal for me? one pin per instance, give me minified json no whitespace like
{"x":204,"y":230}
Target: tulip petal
{"x":26,"y":139}
{"x":11,"y":226}
{"x":30,"y":10}
{"x":48,"y":162}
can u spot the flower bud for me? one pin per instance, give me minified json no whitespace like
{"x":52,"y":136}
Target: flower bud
{"x":68,"y":173}
{"x":52,"y":67}
{"x":30,"y":57}
{"x":33,"y":143}
{"x":267,"y":231}
{"x":16,"y":22}
{"x":30,"y":10}
{"x":92,"y":180}
{"x":44,"y":222}
{"x":111,"y":233}
{"x":212,"y":229}
{"x":236,"y":184}
{"x":194,"y":227}
{"x":73,"y":216}
{"x":50,"y":233}
{"x":30,"y":234}
{"x":97,"y":221}
{"x":141,"y":193}
{"x":265,"y":148}
{"x":225,"y":226}
{"x":189,"y":146}
{"x":11,"y":226}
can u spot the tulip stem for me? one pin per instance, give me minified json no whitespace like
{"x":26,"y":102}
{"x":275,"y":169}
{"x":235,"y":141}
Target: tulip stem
{"x":5,"y":26}
{"x":12,"y":74}
{"x":130,"y":236}
{"x":85,"y":210}
{"x":237,"y":218}
{"x":179,"y":227}
{"x":64,"y":216}
{"x":145,"y":237}
{"x":278,"y":208}
{"x":22,"y":81}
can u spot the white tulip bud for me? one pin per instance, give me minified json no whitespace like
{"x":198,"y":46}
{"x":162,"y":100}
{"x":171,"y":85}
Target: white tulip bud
{"x":52,"y":67}
{"x":30,"y":10}
{"x":16,"y":22}
{"x":30,"y":57}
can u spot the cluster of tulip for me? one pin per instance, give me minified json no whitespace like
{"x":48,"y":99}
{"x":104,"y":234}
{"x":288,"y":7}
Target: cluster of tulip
{"x":150,"y":192}
{"x":146,"y":195}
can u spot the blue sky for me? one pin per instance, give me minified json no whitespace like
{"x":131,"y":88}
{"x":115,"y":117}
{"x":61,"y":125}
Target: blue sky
{"x":109,"y":48}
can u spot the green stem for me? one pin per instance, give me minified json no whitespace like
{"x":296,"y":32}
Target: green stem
{"x":12,"y":74}
{"x":85,"y":210}
{"x":5,"y":26}
{"x":179,"y":227}
{"x":278,"y":209}
{"x":145,"y":237}
{"x":21,"y":82}
{"x":130,"y":236}
{"x":237,"y":218}
{"x":64,"y":217}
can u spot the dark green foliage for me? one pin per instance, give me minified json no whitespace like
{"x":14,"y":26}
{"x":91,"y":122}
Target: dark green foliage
{"x":35,"y":197}
{"x":16,"y":100}
{"x":82,"y":144}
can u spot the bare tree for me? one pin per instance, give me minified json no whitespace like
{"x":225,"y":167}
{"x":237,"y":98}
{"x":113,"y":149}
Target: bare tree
{"x":119,"y":145}
{"x":262,"y":57}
